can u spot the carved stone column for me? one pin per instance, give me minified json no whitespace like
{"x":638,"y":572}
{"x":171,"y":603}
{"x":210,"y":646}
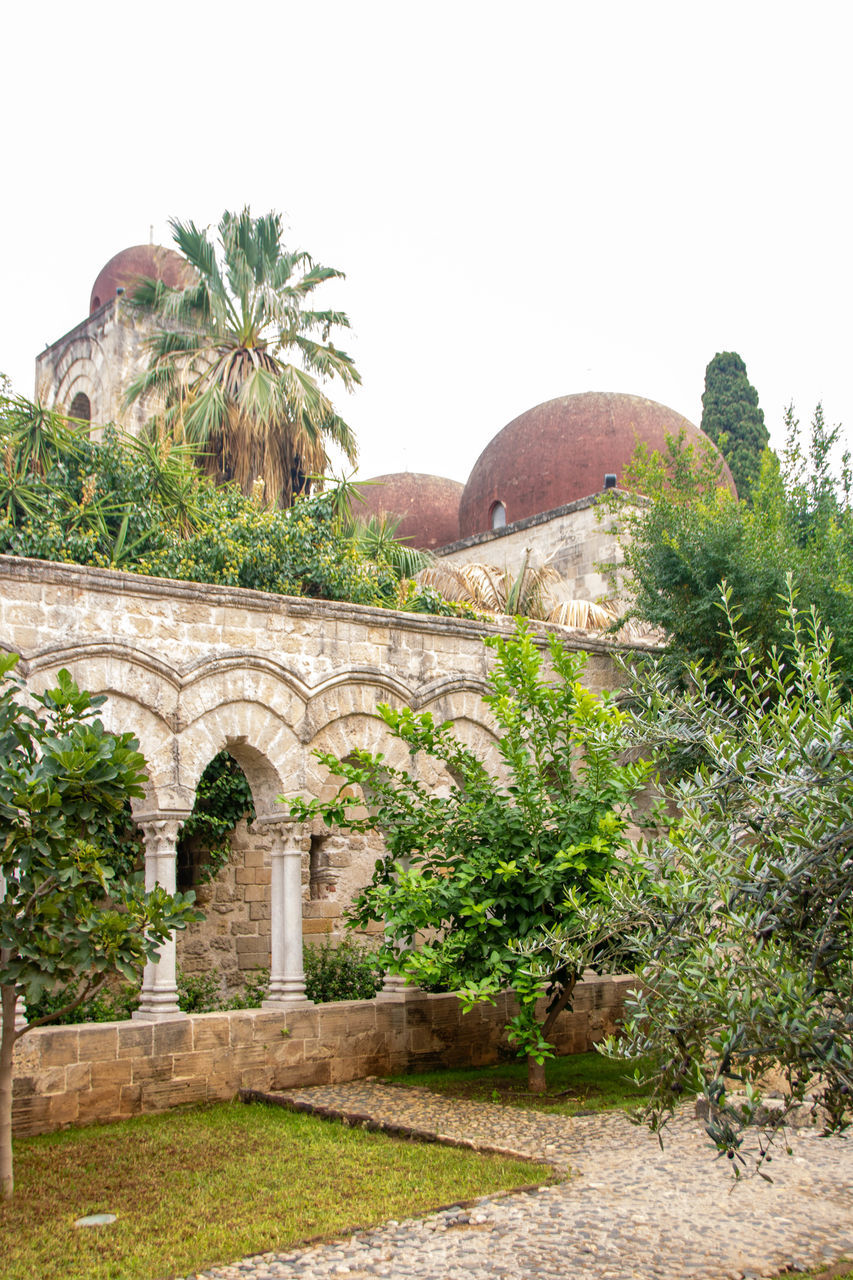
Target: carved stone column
{"x":395,"y":986}
{"x":159,"y":1001}
{"x":287,"y":971}
{"x":20,"y":1007}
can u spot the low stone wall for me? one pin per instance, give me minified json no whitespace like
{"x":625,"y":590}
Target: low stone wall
{"x":80,"y":1074}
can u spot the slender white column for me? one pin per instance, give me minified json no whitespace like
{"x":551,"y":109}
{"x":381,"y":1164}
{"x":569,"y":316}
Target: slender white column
{"x":287,"y":971}
{"x":20,"y":1007}
{"x":159,"y":1000}
{"x":395,"y":986}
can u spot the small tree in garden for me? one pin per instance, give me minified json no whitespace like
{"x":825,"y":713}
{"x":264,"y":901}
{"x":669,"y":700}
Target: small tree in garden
{"x":474,"y":869}
{"x":740,"y":915}
{"x":69,"y":918}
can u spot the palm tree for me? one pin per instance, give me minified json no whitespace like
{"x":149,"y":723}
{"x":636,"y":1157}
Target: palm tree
{"x":239,"y":357}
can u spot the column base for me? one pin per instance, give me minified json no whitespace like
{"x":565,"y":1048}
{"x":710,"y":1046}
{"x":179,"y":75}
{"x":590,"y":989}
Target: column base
{"x":158,"y":1015}
{"x":288,"y":1002}
{"x":396,"y":987}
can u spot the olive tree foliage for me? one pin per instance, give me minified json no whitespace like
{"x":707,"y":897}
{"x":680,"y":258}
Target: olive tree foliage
{"x":473,"y":868}
{"x":732,"y":418}
{"x":71,"y":915}
{"x":740,"y":913}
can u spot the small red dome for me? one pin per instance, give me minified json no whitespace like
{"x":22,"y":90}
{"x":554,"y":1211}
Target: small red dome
{"x":561,"y":451}
{"x":122,"y":271}
{"x":427,"y":506}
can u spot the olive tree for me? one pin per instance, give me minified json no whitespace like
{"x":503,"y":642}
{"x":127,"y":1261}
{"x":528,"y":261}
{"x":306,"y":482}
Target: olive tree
{"x":740,"y":913}
{"x":71,"y":914}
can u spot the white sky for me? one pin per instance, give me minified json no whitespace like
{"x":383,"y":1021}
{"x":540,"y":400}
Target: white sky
{"x":528,"y":200}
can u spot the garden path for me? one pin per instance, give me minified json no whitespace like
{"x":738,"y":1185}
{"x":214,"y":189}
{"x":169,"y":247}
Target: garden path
{"x":630,"y":1210}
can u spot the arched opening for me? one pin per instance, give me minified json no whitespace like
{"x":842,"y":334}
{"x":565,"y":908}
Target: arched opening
{"x":81,"y":407}
{"x":225,"y":860}
{"x":497,"y":515}
{"x":223,"y":797}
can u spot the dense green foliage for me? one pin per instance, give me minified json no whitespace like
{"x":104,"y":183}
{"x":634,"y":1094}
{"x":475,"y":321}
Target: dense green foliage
{"x":740,"y":912}
{"x":68,"y":921}
{"x":222,"y":798}
{"x":143,"y":506}
{"x":731,"y":417}
{"x":481,"y":865}
{"x":691,"y":536}
{"x":240,"y":358}
{"x":348,"y":971}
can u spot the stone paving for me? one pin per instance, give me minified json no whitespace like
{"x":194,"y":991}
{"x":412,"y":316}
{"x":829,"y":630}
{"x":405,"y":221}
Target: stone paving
{"x":629,"y":1210}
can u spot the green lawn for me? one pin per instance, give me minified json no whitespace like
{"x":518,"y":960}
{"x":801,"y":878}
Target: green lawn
{"x":210,"y":1185}
{"x":577,"y":1083}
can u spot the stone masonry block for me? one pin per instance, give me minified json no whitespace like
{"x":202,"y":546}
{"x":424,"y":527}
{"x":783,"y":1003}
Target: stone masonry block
{"x":58,"y":1046}
{"x":302,"y":1024}
{"x":98,"y":1044}
{"x":210,"y":1031}
{"x":105,"y":1074}
{"x":361,"y":1016}
{"x":99,"y":1104}
{"x":63,"y":1109}
{"x":135,"y":1038}
{"x":151,"y":1068}
{"x":172,"y":1037}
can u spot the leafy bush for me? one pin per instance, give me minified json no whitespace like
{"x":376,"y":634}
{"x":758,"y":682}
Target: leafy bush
{"x":223,"y":796}
{"x":143,"y":506}
{"x":482,"y":865}
{"x":112,"y":1005}
{"x":345,"y":972}
{"x":691,"y":536}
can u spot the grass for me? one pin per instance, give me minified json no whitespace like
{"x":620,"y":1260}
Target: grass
{"x":195,"y":1188}
{"x":581,"y":1082}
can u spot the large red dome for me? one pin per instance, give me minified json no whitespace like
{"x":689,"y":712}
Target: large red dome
{"x":122,"y":271}
{"x":561,"y":451}
{"x":427,"y":506}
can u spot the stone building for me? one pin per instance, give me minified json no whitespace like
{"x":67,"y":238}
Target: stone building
{"x":194,"y":673}
{"x":87,"y":371}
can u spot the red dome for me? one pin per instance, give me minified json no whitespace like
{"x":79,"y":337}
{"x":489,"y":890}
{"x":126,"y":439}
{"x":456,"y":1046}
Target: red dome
{"x":561,"y":451}
{"x":151,"y":260}
{"x":427,"y":506}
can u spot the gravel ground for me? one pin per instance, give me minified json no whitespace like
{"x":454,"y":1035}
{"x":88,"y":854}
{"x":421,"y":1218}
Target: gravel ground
{"x":629,"y":1211}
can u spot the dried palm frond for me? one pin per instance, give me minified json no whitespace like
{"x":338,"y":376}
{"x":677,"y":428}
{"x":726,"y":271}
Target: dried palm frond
{"x":492,"y":590}
{"x":583,"y":614}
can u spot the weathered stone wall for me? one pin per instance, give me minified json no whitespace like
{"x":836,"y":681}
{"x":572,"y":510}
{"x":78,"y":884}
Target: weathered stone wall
{"x":99,"y":357}
{"x":193,"y":670}
{"x":573,"y":540}
{"x":73,"y":1075}
{"x":234,"y":938}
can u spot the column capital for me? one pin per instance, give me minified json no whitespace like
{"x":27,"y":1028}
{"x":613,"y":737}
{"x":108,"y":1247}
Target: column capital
{"x":288,"y":836}
{"x":160,"y":828}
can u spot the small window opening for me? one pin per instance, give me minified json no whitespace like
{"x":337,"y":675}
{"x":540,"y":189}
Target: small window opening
{"x":81,"y":407}
{"x":610,"y":480}
{"x":497,"y":515}
{"x":321,"y":877}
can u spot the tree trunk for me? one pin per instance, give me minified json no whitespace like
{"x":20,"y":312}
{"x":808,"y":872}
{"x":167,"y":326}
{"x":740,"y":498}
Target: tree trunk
{"x":535,"y":1075}
{"x":8,"y":999}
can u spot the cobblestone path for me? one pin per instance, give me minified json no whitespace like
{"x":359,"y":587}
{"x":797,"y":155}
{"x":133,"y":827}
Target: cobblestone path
{"x":630,"y":1211}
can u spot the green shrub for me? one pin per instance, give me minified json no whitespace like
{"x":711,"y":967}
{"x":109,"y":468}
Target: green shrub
{"x":349,"y":971}
{"x":110,"y":1006}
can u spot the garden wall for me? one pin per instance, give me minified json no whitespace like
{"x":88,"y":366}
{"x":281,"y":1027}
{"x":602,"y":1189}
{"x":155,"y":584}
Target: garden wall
{"x":75,"y":1075}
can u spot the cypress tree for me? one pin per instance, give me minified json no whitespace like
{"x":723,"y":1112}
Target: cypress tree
{"x":732,"y":418}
